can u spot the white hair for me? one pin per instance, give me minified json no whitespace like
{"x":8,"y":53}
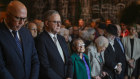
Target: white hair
{"x":64,"y":31}
{"x":87,"y":34}
{"x":101,"y":41}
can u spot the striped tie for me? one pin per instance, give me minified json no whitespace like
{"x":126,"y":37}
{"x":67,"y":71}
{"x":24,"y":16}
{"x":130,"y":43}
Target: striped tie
{"x":17,"y":42}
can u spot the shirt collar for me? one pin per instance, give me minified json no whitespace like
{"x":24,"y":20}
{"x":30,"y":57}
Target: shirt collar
{"x":52,"y":35}
{"x":7,"y":26}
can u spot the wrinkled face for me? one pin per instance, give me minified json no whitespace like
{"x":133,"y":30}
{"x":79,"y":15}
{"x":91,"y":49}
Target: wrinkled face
{"x":16,"y":20}
{"x":80,"y":46}
{"x":33,"y":30}
{"x":101,"y":48}
{"x":54,"y":23}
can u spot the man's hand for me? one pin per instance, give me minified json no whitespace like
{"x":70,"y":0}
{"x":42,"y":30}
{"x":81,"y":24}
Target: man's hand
{"x":68,"y":78}
{"x":119,"y":69}
{"x":104,"y":74}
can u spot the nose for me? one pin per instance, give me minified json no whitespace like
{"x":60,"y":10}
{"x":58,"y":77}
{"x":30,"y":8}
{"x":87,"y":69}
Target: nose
{"x":21,"y":21}
{"x":58,"y":24}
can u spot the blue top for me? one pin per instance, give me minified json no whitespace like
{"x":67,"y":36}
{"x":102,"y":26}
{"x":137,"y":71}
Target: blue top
{"x":87,"y":68}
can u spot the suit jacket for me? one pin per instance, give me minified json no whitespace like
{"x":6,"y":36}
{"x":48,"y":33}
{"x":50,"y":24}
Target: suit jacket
{"x":52,"y":65}
{"x":79,"y":68}
{"x":136,"y":50}
{"x":112,"y":58}
{"x":96,"y":65}
{"x":121,"y":55}
{"x":12,"y":64}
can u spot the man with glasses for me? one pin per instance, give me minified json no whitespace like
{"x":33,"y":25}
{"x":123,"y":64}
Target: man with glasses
{"x":18,"y":56}
{"x":52,"y":49}
{"x":33,"y":29}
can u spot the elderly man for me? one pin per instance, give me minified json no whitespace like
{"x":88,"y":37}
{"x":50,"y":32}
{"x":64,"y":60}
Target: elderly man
{"x":120,"y":49}
{"x":113,"y":61}
{"x":33,"y":29}
{"x":53,"y":50}
{"x":18,"y":57}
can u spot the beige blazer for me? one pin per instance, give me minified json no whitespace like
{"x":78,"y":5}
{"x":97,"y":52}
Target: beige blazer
{"x":136,"y":50}
{"x":96,"y":66}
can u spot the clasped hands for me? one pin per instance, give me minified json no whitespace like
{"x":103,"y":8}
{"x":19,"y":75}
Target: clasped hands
{"x":130,"y":62}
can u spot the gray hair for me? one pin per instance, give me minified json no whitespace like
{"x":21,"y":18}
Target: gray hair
{"x":49,"y":13}
{"x":75,"y":40}
{"x":64,"y":31}
{"x":101,"y":41}
{"x":87,"y":34}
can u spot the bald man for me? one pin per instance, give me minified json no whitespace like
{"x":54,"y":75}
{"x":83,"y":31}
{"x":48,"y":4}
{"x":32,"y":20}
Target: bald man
{"x":18,"y":56}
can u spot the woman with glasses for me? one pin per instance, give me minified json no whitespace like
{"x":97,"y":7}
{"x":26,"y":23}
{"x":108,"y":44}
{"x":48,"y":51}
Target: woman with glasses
{"x":81,"y":66}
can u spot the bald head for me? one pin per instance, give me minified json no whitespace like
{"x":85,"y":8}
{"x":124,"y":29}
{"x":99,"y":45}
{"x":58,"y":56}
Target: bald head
{"x":16,"y":15}
{"x":15,"y":7}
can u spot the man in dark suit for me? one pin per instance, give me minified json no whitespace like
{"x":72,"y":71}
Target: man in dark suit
{"x":18,"y":56}
{"x":52,"y":49}
{"x":113,"y":64}
{"x":120,"y":49}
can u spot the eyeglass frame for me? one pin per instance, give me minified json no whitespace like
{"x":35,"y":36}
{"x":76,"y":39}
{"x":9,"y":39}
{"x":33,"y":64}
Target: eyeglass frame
{"x":79,"y":45}
{"x":32,"y":29}
{"x":56,"y":22}
{"x":18,"y":18}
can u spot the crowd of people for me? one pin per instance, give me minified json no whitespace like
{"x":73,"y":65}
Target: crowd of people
{"x":52,"y":49}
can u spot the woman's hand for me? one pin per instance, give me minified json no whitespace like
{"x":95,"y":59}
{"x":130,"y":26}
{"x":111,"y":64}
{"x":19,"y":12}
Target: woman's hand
{"x":97,"y":77}
{"x":104,"y":74}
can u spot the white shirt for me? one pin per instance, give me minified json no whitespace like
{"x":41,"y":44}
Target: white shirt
{"x":57,"y":45}
{"x":12,"y":30}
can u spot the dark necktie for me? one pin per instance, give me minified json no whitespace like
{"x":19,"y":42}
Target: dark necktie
{"x":17,"y":42}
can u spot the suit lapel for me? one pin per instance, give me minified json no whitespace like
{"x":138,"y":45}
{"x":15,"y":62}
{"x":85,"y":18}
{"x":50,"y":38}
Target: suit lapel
{"x":111,"y":49}
{"x":10,"y":39}
{"x":53,"y":46}
{"x":23,"y":43}
{"x":62,"y":46}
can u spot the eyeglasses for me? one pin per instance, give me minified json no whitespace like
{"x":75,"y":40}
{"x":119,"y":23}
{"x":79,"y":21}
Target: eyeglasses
{"x":81,"y":45}
{"x":56,"y":22}
{"x":16,"y":18}
{"x":33,"y":29}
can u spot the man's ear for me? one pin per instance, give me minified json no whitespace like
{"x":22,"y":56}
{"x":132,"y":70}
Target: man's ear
{"x":46,"y":23}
